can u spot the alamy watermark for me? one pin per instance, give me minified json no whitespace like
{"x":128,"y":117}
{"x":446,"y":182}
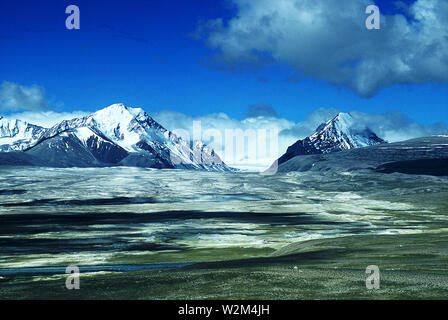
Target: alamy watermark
{"x":373,"y":280}
{"x":232,"y":145}
{"x":73,"y":281}
{"x":73,"y":21}
{"x":373,"y":21}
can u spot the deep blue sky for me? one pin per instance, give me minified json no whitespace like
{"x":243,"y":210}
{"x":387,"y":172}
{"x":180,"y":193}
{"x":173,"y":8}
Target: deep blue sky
{"x":143,"y":53}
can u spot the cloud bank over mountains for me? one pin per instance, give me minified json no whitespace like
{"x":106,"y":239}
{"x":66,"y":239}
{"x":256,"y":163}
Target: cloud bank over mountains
{"x":261,"y":121}
{"x":328,"y":40}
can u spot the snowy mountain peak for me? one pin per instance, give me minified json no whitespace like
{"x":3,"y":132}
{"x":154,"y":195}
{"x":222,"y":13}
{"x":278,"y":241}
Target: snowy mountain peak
{"x":342,"y":133}
{"x":115,"y":111}
{"x":342,"y":121}
{"x":126,"y":126}
{"x":344,"y":115}
{"x":337,"y":134}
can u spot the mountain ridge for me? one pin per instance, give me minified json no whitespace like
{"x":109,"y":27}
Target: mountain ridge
{"x":117,"y":135}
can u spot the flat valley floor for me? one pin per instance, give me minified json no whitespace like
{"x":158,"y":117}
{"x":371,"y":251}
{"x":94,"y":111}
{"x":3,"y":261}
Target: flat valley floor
{"x":170,"y":234}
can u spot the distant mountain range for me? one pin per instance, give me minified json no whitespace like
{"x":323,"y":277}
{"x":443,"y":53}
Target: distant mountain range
{"x":124,"y":136}
{"x":341,"y":144}
{"x":114,"y":136}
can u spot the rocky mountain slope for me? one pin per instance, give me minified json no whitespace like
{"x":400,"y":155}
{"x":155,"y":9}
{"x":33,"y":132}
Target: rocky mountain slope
{"x":427,"y":155}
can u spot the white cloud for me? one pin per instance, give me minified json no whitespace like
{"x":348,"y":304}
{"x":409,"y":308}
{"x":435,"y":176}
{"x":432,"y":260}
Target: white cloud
{"x":28,"y":103}
{"x":15,"y":97}
{"x":395,"y":126}
{"x":328,"y":40}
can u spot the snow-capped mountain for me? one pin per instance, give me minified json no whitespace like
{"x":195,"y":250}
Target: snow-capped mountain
{"x":119,"y":135}
{"x":340,"y":133}
{"x":17,"y":135}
